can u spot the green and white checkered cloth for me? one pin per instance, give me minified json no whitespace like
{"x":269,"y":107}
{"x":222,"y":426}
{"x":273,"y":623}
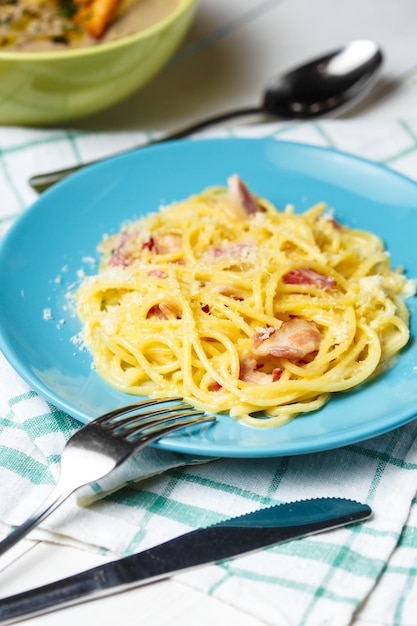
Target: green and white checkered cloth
{"x":366,"y":573}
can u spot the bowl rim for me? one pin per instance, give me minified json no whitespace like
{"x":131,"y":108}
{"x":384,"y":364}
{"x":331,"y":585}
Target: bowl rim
{"x":88,"y":51}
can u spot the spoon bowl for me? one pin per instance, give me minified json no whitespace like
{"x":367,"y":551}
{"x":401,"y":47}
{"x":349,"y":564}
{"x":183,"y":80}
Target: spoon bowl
{"x":327,"y":84}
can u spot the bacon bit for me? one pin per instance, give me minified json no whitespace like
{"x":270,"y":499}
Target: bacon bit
{"x":155,"y":311}
{"x":294,"y":340}
{"x":229,"y":292}
{"x":307,"y":276}
{"x":265,"y":333}
{"x":232,"y":254}
{"x":241,"y":193}
{"x":168,"y":243}
{"x":164,"y":311}
{"x":240,"y":250}
{"x":250,"y":372}
{"x":149,"y":244}
{"x":169,"y":311}
{"x":215,"y":386}
{"x":118,"y":257}
{"x":157,"y":273}
{"x":205,"y":308}
{"x":243,"y":202}
{"x":334,"y":223}
{"x":276,"y":374}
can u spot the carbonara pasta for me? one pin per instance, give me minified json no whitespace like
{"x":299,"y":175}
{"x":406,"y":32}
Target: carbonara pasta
{"x":238,"y":307}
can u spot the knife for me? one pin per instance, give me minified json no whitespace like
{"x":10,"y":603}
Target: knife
{"x":225,"y":540}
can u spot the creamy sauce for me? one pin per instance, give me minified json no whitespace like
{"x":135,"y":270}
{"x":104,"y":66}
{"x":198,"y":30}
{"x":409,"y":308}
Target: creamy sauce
{"x":43,"y":25}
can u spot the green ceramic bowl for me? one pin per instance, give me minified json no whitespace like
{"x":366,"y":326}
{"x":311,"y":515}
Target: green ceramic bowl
{"x":46,"y":88}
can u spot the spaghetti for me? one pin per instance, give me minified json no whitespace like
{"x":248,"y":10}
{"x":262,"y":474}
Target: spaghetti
{"x":238,"y":307}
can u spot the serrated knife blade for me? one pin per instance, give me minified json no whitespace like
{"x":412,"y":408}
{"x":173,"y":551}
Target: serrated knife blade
{"x":225,"y":540}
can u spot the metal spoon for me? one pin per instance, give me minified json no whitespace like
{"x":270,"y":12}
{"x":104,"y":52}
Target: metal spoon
{"x":320,"y":87}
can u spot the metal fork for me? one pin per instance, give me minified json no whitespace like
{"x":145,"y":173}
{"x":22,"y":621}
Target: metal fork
{"x":104,"y":444}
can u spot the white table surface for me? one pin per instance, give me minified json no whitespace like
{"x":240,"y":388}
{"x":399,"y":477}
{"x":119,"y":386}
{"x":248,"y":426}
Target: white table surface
{"x":251,"y":41}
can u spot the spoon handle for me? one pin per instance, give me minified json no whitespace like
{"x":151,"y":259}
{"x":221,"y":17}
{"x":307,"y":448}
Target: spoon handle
{"x":41,"y":182}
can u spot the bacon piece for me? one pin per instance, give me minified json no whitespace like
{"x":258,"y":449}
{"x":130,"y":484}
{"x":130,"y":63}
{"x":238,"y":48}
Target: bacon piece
{"x":243,"y":203}
{"x":230,"y":292}
{"x":215,"y":386}
{"x":250,"y":373}
{"x":119,"y":258}
{"x":124,"y":254}
{"x":242,"y":254}
{"x":167,"y":243}
{"x":240,"y":250}
{"x":149,"y":244}
{"x":307,"y":276}
{"x":276,"y":374}
{"x":157,"y":273}
{"x":164,"y":311}
{"x":294,"y":340}
{"x":239,"y":191}
{"x":169,"y":311}
{"x":334,"y":223}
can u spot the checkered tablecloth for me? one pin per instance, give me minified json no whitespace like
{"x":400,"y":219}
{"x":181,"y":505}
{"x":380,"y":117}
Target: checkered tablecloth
{"x":366,"y":572}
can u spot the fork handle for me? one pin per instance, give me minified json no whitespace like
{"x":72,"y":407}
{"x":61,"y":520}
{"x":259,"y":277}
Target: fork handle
{"x":52,"y":502}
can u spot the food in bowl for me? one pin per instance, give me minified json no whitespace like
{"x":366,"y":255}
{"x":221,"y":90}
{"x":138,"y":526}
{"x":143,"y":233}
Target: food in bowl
{"x":238,"y":307}
{"x":52,"y":25}
{"x":44,"y":87}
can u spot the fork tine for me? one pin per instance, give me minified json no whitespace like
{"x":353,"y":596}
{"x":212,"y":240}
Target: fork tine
{"x":159,"y":421}
{"x":164,"y":427}
{"x":140,"y":420}
{"x":137,"y":406}
{"x":150,"y":413}
{"x":135,"y":428}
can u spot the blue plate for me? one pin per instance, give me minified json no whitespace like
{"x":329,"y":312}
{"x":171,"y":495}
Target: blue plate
{"x":42,"y":255}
